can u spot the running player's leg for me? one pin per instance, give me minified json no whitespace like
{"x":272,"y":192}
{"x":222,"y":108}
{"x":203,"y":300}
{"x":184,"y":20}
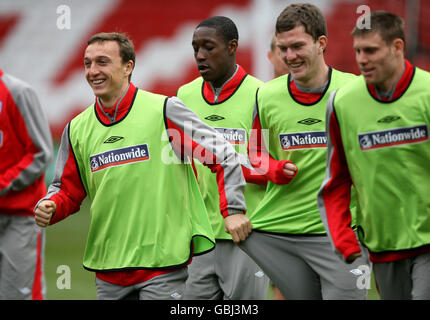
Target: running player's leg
{"x":279,"y":259}
{"x":339,"y":280}
{"x":111,"y":291}
{"x":168,"y":286}
{"x":394,"y":279}
{"x":20,"y":258}
{"x":202,"y":282}
{"x":421,"y":277}
{"x":239,"y":276}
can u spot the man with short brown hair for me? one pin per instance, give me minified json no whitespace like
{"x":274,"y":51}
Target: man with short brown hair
{"x":289,"y":241}
{"x":378,"y":137}
{"x":147,"y":215}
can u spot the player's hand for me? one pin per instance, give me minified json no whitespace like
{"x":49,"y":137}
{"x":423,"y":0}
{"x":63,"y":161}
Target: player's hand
{"x":238,"y":226}
{"x":351,"y":258}
{"x":290,"y":169}
{"x":44,"y":212}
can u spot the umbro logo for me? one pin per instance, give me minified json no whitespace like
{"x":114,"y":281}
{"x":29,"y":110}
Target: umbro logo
{"x":214,"y":117}
{"x":388,"y":119}
{"x":309,"y":121}
{"x":113,"y":139}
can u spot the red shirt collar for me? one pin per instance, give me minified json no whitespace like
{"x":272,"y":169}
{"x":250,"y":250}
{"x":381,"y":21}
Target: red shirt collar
{"x":123,"y":107}
{"x":1,"y":72}
{"x":401,"y":85}
{"x":227,"y":90}
{"x":307,"y":98}
{"x":304,"y":97}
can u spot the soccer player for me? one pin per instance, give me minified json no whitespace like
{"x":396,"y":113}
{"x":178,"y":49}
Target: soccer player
{"x":274,"y":55}
{"x":288,"y":239}
{"x":124,"y":152}
{"x":223,"y":97}
{"x":378,"y":137}
{"x":25,"y":152}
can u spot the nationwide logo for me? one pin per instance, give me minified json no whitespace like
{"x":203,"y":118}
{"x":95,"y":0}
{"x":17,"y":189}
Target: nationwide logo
{"x":303,"y":140}
{"x":234,"y":136}
{"x":119,"y":157}
{"x":113,"y":139}
{"x":214,"y":117}
{"x":393,"y":137}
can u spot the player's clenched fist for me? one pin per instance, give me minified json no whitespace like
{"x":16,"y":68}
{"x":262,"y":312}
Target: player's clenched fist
{"x":290,"y":170}
{"x":44,"y":212}
{"x":238,"y":226}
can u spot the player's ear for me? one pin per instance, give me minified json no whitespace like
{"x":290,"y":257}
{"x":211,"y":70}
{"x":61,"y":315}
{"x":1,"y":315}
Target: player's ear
{"x":322,"y":42}
{"x":232,"y":46}
{"x":398,"y":45}
{"x":128,"y":67}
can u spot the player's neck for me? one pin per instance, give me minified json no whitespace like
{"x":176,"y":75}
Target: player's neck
{"x":112,"y":101}
{"x":316,"y":79}
{"x":389,"y":84}
{"x":219,"y":83}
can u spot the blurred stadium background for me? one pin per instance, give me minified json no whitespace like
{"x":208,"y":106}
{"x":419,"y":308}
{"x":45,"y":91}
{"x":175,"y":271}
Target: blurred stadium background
{"x":40,"y":45}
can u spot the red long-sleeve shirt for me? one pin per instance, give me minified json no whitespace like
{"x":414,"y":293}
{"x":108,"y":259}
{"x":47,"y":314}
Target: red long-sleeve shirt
{"x":336,"y":192}
{"x":25,"y":147}
{"x":67,"y":190}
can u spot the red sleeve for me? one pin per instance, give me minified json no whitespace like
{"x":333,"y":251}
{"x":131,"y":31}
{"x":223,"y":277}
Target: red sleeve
{"x":252,"y":176}
{"x":193,"y":139}
{"x":262,"y":160}
{"x":186,"y":146}
{"x":66,"y":190}
{"x":30,"y":144}
{"x":13,"y":172}
{"x":335,"y":194}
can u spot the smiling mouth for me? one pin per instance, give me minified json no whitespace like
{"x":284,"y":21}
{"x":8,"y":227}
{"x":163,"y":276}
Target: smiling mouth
{"x":295,"y":65}
{"x":97,"y":82}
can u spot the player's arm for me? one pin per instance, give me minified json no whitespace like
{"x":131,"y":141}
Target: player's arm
{"x":277,"y":171}
{"x":250,"y":174}
{"x":66,"y":192}
{"x":32,"y":129}
{"x":335,"y":193}
{"x":199,"y":140}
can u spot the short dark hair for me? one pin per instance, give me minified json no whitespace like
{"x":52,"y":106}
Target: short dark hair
{"x":126,"y":47}
{"x":302,"y":14}
{"x":387,"y":24}
{"x":224,"y":27}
